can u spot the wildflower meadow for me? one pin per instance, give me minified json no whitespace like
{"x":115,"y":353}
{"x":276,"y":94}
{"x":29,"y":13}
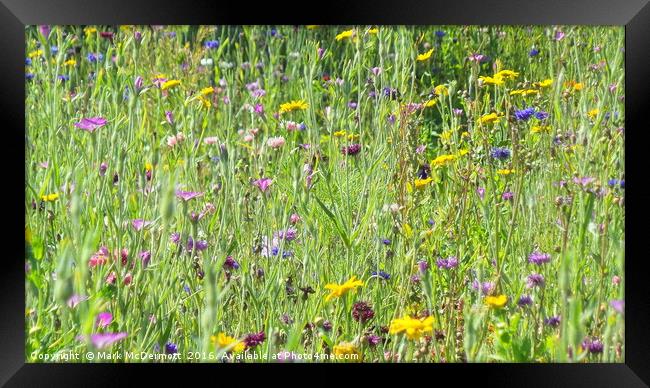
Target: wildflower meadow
{"x":324,"y":194}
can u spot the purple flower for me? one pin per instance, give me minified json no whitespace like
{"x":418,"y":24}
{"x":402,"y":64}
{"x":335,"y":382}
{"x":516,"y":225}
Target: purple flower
{"x":187,"y":195}
{"x":362,"y":312}
{"x":169,"y":116}
{"x":45,"y":30}
{"x":423,"y":266}
{"x":138,"y":83}
{"x":501,"y":153}
{"x":381,"y":274}
{"x":351,"y":149}
{"x":618,"y":305}
{"x":376,"y":70}
{"x":481,"y":192}
{"x":212,"y":44}
{"x":533,"y":52}
{"x":552,"y":321}
{"x":263,"y":184}
{"x":448,"y":263}
{"x":352,"y":105}
{"x":592,"y":345}
{"x":145,"y":256}
{"x":485,"y":287}
{"x":539,"y":258}
{"x":584,"y":181}
{"x":524,"y":300}
{"x":104,"y":340}
{"x":535,"y":280}
{"x":373,"y":340}
{"x":91,"y":124}
{"x":74,"y":300}
{"x":457,"y":112}
{"x":102,"y":169}
{"x":559,"y":35}
{"x":230,"y":263}
{"x":288,"y":235}
{"x":171,"y":348}
{"x":254,"y":339}
{"x":541,"y":115}
{"x":385,"y":241}
{"x":175,"y":237}
{"x":477,"y":58}
{"x":507,"y":196}
{"x":524,"y":114}
{"x":140,"y":224}
{"x":103,"y":319}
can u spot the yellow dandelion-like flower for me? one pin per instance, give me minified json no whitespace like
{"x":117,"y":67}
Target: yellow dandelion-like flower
{"x":421,"y":183}
{"x":50,"y":197}
{"x":353,"y":136}
{"x":70,"y":62}
{"x":445,"y":136}
{"x":226,"y":342}
{"x":490,"y":118}
{"x":543,"y":84}
{"x":443,"y":160}
{"x":573,"y":85}
{"x":593,"y":113}
{"x":205,"y":102}
{"x":312,"y":26}
{"x":505,"y":171}
{"x":430,"y":103}
{"x":441,"y":90}
{"x":35,"y":53}
{"x":170,"y":84}
{"x":347,"y":351}
{"x":524,"y":92}
{"x":345,"y":35}
{"x":424,"y":56}
{"x":496,"y":302}
{"x":148,"y":166}
{"x":90,"y":30}
{"x":293,"y":105}
{"x":338,"y":290}
{"x":206,"y":91}
{"x":413,"y":328}
{"x":339,"y":133}
{"x":507,"y":74}
{"x":486,"y":80}
{"x":373,"y":31}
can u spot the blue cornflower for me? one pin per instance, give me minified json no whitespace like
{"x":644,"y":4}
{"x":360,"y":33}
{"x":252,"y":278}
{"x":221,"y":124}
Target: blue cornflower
{"x":501,"y":153}
{"x":215,"y":159}
{"x":63,"y":77}
{"x":431,"y":222}
{"x":275,"y":250}
{"x":533,"y":52}
{"x":524,"y":114}
{"x":440,"y":34}
{"x":524,"y":300}
{"x":541,"y":115}
{"x":28,"y":62}
{"x":187,"y":289}
{"x":212,"y":44}
{"x":386,"y":241}
{"x":171,"y":348}
{"x":95,"y":57}
{"x":29,"y":76}
{"x":171,"y":34}
{"x":286,"y":254}
{"x":381,"y":274}
{"x":622,"y":183}
{"x":302,"y":126}
{"x":273,"y":32}
{"x":613,"y":182}
{"x":54,"y":49}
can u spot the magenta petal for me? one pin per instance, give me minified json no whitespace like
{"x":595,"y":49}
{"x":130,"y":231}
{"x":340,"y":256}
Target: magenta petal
{"x":91,"y":124}
{"x":104,"y":319}
{"x":139,"y":224}
{"x":187,"y":195}
{"x":103,"y":340}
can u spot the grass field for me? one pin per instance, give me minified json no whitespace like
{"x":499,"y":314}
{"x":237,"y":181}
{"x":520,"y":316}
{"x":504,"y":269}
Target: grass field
{"x":324,"y":194}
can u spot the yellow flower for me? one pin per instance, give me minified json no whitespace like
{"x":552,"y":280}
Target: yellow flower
{"x":148,"y":166}
{"x":205,"y":102}
{"x":496,"y":80}
{"x":593,"y":113}
{"x":414,"y":328}
{"x":538,"y":128}
{"x":373,"y":30}
{"x":577,"y":86}
{"x":339,"y":133}
{"x":424,"y":56}
{"x":226,"y":342}
{"x":430,"y":103}
{"x":462,"y":152}
{"x":543,"y":84}
{"x":420,"y":183}
{"x":490,"y":118}
{"x":50,"y":197}
{"x":573,"y":85}
{"x":524,"y":92}
{"x":496,"y":301}
{"x":293,"y":105}
{"x":445,"y":136}
{"x":353,"y":136}
{"x":206,"y":91}
{"x":441,"y":90}
{"x":346,"y":351}
{"x":312,"y":27}
{"x":507,"y":74}
{"x":126,"y":28}
{"x":70,"y":62}
{"x":90,"y":30}
{"x":505,"y":171}
{"x":345,"y":35}
{"x":338,"y":290}
{"x":170,"y":84}
{"x":443,"y":160}
{"x":35,"y":53}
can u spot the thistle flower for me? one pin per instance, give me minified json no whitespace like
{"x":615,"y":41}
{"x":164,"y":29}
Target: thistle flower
{"x":448,"y":263}
{"x":553,"y":321}
{"x":539,"y":258}
{"x":254,"y":339}
{"x":353,"y":149}
{"x":230,"y":263}
{"x":535,"y":280}
{"x":524,"y":300}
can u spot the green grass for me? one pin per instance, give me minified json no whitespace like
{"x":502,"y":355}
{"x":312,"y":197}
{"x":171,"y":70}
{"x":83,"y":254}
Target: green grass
{"x":344,"y":201}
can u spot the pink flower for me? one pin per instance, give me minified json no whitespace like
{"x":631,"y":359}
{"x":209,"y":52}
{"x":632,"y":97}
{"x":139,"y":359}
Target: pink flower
{"x":140,"y":224}
{"x":75,"y":300}
{"x":187,"y":195}
{"x":128,"y":279}
{"x":420,"y":149}
{"x":376,"y":71}
{"x":559,"y":35}
{"x":211,"y":140}
{"x":43,"y":164}
{"x":110,"y":279}
{"x":103,"y":319}
{"x":249,"y":138}
{"x":91,"y":124}
{"x":103,"y":340}
{"x":295,"y":218}
{"x":275,"y":142}
{"x":263,"y":184}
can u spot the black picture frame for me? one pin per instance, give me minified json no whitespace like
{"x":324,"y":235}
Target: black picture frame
{"x":633,"y":14}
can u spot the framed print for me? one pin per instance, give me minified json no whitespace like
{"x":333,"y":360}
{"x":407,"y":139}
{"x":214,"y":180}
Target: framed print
{"x":434,"y":193}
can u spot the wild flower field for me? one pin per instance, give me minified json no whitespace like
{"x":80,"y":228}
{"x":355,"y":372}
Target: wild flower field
{"x":324,"y":194}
